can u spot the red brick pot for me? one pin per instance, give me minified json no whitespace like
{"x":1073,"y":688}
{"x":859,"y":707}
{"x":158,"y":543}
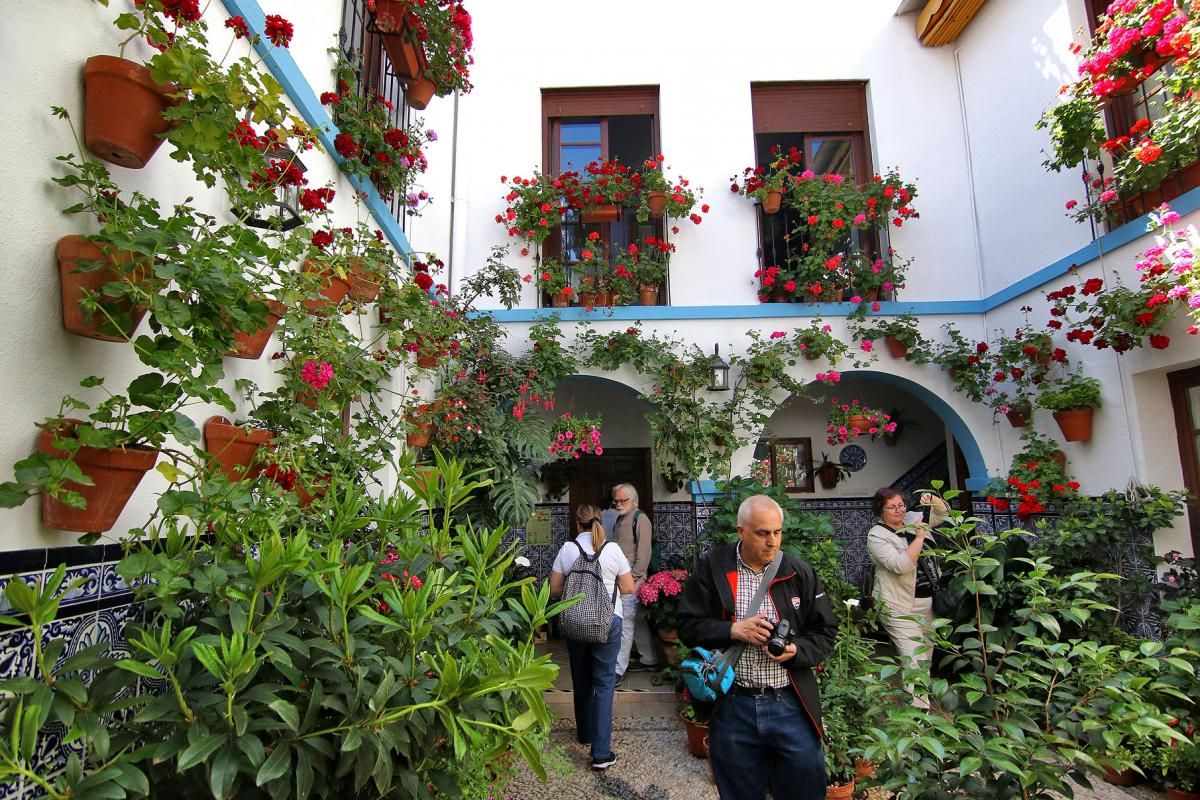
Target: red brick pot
{"x":420,"y":92}
{"x":772,"y":202}
{"x":657,"y":201}
{"x":123,"y":111}
{"x":1075,"y":423}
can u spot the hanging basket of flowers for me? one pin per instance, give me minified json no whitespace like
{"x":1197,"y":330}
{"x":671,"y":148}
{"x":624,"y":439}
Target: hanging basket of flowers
{"x":848,"y":421}
{"x":573,"y":437}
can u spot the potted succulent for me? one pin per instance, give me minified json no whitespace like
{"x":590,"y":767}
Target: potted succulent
{"x":660,"y":197}
{"x":1073,"y":400}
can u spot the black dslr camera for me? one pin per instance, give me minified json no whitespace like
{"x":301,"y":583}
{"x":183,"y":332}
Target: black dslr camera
{"x":781,"y":636}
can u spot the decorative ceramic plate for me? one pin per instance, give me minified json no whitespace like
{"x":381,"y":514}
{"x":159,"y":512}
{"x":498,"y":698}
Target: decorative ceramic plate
{"x":853,"y":457}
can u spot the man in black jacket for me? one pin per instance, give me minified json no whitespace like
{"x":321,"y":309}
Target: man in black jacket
{"x":766,"y":732}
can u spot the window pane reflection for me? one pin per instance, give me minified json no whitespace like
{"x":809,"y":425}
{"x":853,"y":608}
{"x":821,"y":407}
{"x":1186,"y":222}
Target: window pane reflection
{"x":831,"y":155}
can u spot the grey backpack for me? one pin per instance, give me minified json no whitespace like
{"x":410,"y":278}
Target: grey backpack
{"x":591,"y":618}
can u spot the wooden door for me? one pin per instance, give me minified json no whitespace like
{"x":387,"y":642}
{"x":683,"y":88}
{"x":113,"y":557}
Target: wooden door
{"x":593,"y":478}
{"x":1185,"y":397}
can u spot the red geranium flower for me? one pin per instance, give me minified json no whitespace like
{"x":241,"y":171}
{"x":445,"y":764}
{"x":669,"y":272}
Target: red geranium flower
{"x":278,"y":30}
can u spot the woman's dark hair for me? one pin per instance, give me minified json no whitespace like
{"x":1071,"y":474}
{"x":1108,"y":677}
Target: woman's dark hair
{"x":881,"y":498}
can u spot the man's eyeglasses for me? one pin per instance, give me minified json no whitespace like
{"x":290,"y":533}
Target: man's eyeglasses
{"x":620,"y":500}
{"x":895,"y":507}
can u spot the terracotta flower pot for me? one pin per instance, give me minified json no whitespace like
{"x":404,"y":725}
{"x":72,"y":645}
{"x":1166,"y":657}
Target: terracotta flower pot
{"x":420,"y":433}
{"x":869,"y":295}
{"x":1180,"y":794}
{"x":407,"y":56}
{"x":840,"y":791}
{"x":896,"y":348}
{"x":1060,"y":458}
{"x":1075,"y":423}
{"x":657,"y":202}
{"x":587,"y":299}
{"x":364,"y":283}
{"x":1018,"y":415}
{"x":772,"y":202}
{"x":115,"y":473}
{"x":697,"y":737}
{"x":123,"y":111}
{"x":251,"y":345}
{"x":829,"y":476}
{"x":119,"y":318}
{"x":233,"y":447}
{"x":560,"y":299}
{"x":420,"y":92}
{"x":648,"y":295}
{"x":315,"y":489}
{"x":609,"y":212}
{"x":863,"y":769}
{"x":333,"y":287}
{"x":1126,"y":777}
{"x":426,"y":479}
{"x":860,"y":422}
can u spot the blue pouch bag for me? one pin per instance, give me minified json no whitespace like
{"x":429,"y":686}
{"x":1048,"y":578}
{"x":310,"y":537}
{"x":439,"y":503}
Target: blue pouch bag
{"x":709,"y":674}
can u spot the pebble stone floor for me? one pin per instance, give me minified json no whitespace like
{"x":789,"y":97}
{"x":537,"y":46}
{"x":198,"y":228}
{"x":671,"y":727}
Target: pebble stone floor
{"x":652,"y":758}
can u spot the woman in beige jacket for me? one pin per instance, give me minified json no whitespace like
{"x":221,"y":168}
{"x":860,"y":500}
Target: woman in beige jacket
{"x":905,"y":589}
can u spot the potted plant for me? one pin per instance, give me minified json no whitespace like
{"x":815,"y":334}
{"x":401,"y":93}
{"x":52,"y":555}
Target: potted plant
{"x":574,"y":436}
{"x":603,"y":189}
{"x":828,"y":471}
{"x":767,"y":185}
{"x":535,"y":206}
{"x":1183,"y":770}
{"x":552,"y":279}
{"x":368,"y":144}
{"x":650,"y":262}
{"x":428,"y":43}
{"x":901,"y":335}
{"x":660,"y":197}
{"x":817,"y":341}
{"x":233,"y":447}
{"x":659,"y":595}
{"x":695,"y":717}
{"x":420,"y":419}
{"x":1073,"y":401}
{"x":848,"y":421}
{"x":966,"y":361}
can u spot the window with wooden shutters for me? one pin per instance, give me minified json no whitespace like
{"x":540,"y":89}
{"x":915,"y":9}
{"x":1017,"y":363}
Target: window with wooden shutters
{"x":584,"y":125}
{"x":827,"y":124}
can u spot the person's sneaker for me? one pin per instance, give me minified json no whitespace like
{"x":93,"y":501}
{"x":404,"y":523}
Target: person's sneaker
{"x":638,"y":666}
{"x":617,"y":682}
{"x":604,"y":763}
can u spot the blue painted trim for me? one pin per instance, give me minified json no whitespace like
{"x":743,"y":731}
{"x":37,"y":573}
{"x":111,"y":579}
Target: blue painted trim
{"x":978,"y":475}
{"x":280,"y":63}
{"x":704,"y":491}
{"x":1131,"y":231}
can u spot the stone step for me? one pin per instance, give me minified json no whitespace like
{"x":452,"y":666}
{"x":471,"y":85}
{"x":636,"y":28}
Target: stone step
{"x":626,"y":703}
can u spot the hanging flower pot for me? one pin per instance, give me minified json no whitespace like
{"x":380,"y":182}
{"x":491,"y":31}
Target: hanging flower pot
{"x":117,"y":319}
{"x":840,"y":791}
{"x":1060,"y":458}
{"x":251,"y":345}
{"x":234,"y":448}
{"x":561,"y":298}
{"x":772,"y":202}
{"x":869,"y":295}
{"x":308,"y":491}
{"x":860,"y":422}
{"x":115,"y":473}
{"x":420,"y":92}
{"x":896,"y":348}
{"x":123,"y":111}
{"x":405,"y":53}
{"x":890,"y":439}
{"x":365,"y":284}
{"x":1018,"y":414}
{"x":648,"y":295}
{"x":419,"y":435}
{"x":829,"y":475}
{"x":697,"y":737}
{"x":333,"y":287}
{"x":657,"y":201}
{"x":426,"y":479}
{"x":609,"y":212}
{"x":1075,"y":423}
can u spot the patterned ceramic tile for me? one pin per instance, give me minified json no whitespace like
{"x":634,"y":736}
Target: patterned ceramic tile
{"x":110,"y":582}
{"x":88,"y":589}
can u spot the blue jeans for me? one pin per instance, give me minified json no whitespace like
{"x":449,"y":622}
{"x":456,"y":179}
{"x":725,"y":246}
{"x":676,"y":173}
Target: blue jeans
{"x":757,"y":743}
{"x":593,"y":678}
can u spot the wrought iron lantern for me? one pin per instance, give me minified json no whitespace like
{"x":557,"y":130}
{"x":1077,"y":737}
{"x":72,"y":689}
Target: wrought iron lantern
{"x":720,"y":371}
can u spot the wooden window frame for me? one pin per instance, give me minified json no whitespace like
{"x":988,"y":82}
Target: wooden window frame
{"x":809,"y":485}
{"x":813,"y":110}
{"x":601,"y":103}
{"x":1118,"y":119}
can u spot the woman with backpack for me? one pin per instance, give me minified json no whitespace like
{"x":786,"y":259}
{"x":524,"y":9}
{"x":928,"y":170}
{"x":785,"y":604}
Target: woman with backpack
{"x":586,"y":566}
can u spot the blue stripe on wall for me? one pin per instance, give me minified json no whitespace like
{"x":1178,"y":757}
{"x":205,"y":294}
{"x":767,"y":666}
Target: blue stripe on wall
{"x":279,"y":61}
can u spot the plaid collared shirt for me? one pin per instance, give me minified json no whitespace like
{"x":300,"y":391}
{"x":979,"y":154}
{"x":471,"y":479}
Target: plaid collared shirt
{"x":755,"y":667}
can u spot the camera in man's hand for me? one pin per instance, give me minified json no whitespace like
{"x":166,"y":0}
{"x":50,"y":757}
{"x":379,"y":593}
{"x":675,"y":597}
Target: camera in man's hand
{"x":781,"y":637}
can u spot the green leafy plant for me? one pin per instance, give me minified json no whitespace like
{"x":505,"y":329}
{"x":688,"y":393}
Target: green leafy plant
{"x":680,"y":197}
{"x":904,"y":328}
{"x":1076,"y":390}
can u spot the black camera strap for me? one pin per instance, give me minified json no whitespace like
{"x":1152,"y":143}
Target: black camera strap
{"x":732,"y":654}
